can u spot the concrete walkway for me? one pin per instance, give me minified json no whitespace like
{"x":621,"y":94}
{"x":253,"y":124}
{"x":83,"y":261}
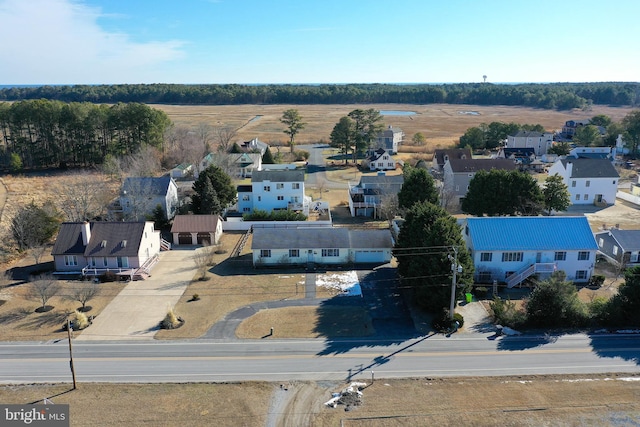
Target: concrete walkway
{"x":134,"y":314}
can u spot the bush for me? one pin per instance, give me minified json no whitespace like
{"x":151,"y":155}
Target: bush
{"x":596,"y":280}
{"x":79,"y":321}
{"x":109,"y":276}
{"x":443,"y":324}
{"x":480,"y":292}
{"x":195,"y":297}
{"x":505,"y":313}
{"x":302,"y":155}
{"x":171,"y":321}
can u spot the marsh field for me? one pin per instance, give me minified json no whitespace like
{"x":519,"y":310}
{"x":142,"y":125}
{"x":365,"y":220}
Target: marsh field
{"x":441,"y":124}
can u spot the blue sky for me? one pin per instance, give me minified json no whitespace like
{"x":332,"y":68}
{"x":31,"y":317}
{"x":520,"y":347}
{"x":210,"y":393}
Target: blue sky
{"x":318,"y":41}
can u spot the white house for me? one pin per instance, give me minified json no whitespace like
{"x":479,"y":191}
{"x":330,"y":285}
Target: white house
{"x":389,"y":139}
{"x":511,"y":249}
{"x":91,"y":249}
{"x":319,"y":245}
{"x":274,"y":190}
{"x":246,"y":163}
{"x":366,"y":198}
{"x":539,"y":141}
{"x":139,"y":196}
{"x":590,"y":181}
{"x":183,"y":170}
{"x":381,"y":160}
{"x":255,"y":146}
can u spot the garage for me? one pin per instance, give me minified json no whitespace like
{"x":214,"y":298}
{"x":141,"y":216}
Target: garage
{"x":204,"y":238}
{"x":184,"y":239}
{"x":370,"y":256}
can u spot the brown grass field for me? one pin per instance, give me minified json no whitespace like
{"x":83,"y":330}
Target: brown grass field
{"x":516,"y":401}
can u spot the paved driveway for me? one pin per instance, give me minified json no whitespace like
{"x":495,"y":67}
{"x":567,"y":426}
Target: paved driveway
{"x":134,"y":314}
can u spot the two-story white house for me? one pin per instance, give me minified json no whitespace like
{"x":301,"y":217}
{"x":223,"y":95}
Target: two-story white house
{"x":274,"y":190}
{"x":540,"y":142}
{"x":389,"y":139}
{"x":511,"y":249}
{"x":590,"y":181}
{"x":381,"y":160}
{"x":458,"y":173}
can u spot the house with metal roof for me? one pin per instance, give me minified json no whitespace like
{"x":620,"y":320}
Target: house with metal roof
{"x":511,"y":249}
{"x":320,"y":245}
{"x":367,"y":197}
{"x":619,"y":247}
{"x":590,"y":181}
{"x":92,"y":248}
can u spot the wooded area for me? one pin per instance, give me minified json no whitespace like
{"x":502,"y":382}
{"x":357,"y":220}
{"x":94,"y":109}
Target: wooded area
{"x":560,"y":96}
{"x":45,"y":133}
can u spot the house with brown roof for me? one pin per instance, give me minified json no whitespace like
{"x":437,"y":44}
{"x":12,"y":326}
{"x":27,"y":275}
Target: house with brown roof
{"x":459,"y":172}
{"x":441,"y":156}
{"x":196,"y":229}
{"x":128,"y":249}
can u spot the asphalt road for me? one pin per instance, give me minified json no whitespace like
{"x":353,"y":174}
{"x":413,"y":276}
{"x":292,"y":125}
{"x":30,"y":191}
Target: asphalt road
{"x":286,"y":360}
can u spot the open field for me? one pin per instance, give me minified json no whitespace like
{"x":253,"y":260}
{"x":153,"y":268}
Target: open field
{"x":442,"y":124}
{"x":594,"y":400}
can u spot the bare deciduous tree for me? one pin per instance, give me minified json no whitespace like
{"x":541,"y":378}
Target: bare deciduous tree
{"x":222,"y":136}
{"x":389,"y":207}
{"x":83,"y":197}
{"x":42,"y":289}
{"x":37,"y":252}
{"x":203,"y":258}
{"x":144,"y":162}
{"x":83,"y":293}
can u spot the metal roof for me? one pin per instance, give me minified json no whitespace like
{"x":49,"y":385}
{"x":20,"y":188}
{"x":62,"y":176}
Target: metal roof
{"x":194,"y":223}
{"x":531,"y":233}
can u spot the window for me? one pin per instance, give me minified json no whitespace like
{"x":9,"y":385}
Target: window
{"x":615,"y":250}
{"x":279,"y":186}
{"x":484,"y":277}
{"x":560,"y":256}
{"x":512,"y":256}
{"x":486,"y":256}
{"x":93,"y":261}
{"x":600,"y":242}
{"x":614,"y":182}
{"x":573,"y":183}
{"x":245,"y":198}
{"x":280,"y":197}
{"x":586,"y":197}
{"x":295,"y":186}
{"x":581,"y":275}
{"x":265,"y":253}
{"x":583,"y":256}
{"x":380,"y":164}
{"x":70,"y":260}
{"x":294,"y":253}
{"x":105,"y":262}
{"x":577,"y":197}
{"x":267,"y":188}
{"x":246,"y":209}
{"x":259,"y":198}
{"x":295,"y":199}
{"x":587,"y":184}
{"x":331,"y":252}
{"x":123,"y":262}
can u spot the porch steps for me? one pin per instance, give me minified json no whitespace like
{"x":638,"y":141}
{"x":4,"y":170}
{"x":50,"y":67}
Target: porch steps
{"x":164,"y":245}
{"x":519,"y":276}
{"x":237,"y":250}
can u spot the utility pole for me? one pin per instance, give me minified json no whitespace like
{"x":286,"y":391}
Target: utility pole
{"x":455,"y":268}
{"x":73,"y":372}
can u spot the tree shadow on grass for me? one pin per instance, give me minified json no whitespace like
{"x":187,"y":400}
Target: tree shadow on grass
{"x":626,"y":347}
{"x":243,"y":266}
{"x":380,"y":315}
{"x":50,"y":318}
{"x":15,"y":315}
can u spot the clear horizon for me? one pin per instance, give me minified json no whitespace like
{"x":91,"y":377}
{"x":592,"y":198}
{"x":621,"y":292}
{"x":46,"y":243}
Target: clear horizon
{"x":257,"y":42}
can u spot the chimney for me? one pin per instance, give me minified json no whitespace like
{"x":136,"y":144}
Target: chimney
{"x":85,"y":229}
{"x":569,"y":167}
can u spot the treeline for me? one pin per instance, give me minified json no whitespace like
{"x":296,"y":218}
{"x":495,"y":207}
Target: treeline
{"x":48,"y":133}
{"x":550,"y":96}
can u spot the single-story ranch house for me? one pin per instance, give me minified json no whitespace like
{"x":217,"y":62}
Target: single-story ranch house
{"x":320,"y":245}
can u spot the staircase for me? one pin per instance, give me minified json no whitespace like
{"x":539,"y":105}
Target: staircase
{"x":237,"y":250}
{"x":519,"y":276}
{"x":144,"y":270}
{"x":164,"y":245}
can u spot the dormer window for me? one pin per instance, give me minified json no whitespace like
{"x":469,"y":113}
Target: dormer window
{"x":124,"y":243}
{"x":103,"y":244}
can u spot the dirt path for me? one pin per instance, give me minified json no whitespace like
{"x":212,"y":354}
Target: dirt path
{"x":296,"y":404}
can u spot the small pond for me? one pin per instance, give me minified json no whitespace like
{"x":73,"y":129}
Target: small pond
{"x":397,"y":113}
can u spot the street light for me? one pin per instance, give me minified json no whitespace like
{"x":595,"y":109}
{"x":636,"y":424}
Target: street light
{"x":456,"y":268}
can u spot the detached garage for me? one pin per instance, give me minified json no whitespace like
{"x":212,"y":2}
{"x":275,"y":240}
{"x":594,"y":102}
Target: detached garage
{"x":320,"y":245}
{"x":196,"y":229}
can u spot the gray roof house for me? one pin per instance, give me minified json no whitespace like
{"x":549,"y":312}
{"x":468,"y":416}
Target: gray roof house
{"x":590,"y":181}
{"x":320,"y":245}
{"x":139,"y":196}
{"x":389,"y":139}
{"x":441,"y":156}
{"x":125,"y":248}
{"x":620,"y":247}
{"x":458,"y":173}
{"x":366,"y":198}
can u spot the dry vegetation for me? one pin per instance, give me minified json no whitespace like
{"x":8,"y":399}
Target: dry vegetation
{"x":602,"y":400}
